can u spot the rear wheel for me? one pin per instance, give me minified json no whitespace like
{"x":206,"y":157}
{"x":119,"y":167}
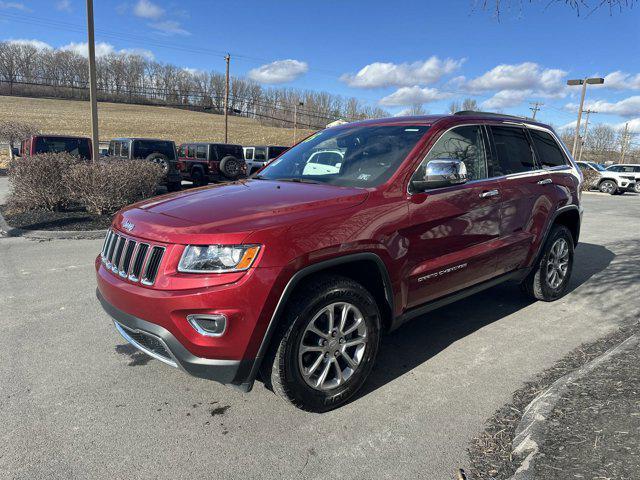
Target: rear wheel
{"x":174,"y":186}
{"x":550,"y":278}
{"x":198,"y":178}
{"x":636,"y":187}
{"x":327,"y":344}
{"x":608,"y":186}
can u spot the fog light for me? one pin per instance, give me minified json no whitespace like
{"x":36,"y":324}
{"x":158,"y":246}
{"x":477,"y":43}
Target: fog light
{"x":208,"y":325}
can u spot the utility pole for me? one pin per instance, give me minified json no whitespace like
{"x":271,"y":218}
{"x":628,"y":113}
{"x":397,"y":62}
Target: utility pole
{"x":535,"y":108}
{"x":584,"y":136}
{"x":295,"y":120}
{"x":227,"y":58}
{"x":623,"y":147}
{"x":583,"y":82}
{"x":93,"y":84}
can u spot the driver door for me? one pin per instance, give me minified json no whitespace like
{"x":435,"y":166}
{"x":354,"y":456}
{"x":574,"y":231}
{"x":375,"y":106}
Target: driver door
{"x":453,"y":231}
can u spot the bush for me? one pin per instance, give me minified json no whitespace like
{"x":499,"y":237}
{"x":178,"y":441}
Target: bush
{"x":55,"y":181}
{"x":40,"y":182}
{"x":590,"y":180}
{"x":106,"y":186}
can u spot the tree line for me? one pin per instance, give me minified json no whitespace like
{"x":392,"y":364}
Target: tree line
{"x":128,"y":78}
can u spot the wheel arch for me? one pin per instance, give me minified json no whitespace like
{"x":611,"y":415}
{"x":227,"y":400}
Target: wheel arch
{"x":570,"y":218}
{"x":371,"y":272}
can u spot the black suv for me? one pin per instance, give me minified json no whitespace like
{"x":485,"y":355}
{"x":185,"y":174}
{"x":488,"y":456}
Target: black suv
{"x":162,"y":152}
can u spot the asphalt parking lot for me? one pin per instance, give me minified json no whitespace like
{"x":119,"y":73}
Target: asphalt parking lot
{"x":77,"y":402}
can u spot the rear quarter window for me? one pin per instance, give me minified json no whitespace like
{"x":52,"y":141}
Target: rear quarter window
{"x":513,"y":150}
{"x":549,"y":152}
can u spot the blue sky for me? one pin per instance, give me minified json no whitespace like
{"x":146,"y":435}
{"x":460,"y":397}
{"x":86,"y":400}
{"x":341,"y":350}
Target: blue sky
{"x":387,"y":53}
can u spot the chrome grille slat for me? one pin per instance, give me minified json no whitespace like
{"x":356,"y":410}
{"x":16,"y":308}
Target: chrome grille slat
{"x":132,"y":259}
{"x":115,"y":263}
{"x":126,"y":258}
{"x":152,"y":265}
{"x":112,"y":247}
{"x":141,"y":256}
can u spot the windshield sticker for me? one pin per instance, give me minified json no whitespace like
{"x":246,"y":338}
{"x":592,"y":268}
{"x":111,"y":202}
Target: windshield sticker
{"x":364,"y":176}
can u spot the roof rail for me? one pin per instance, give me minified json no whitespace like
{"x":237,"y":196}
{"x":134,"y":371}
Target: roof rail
{"x":489,"y":114}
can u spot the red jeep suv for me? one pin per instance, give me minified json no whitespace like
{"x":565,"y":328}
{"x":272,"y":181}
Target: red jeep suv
{"x":294,"y":274}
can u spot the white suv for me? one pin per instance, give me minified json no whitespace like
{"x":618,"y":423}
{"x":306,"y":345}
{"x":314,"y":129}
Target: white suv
{"x":607,"y":181}
{"x":630,"y":171}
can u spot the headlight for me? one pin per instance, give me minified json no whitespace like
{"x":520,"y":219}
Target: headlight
{"x":217,"y":258}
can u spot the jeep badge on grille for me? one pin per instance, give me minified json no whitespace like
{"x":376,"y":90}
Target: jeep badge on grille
{"x":128,"y":226}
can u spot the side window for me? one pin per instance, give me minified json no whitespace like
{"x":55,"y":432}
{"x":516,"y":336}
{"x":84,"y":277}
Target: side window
{"x":201,"y":152}
{"x":513,"y":150}
{"x":248,"y":154}
{"x":213,"y":153}
{"x":182,"y":151}
{"x":548,"y":149}
{"x":261,"y":154}
{"x":124,"y":151}
{"x":461,"y":143}
{"x":116,"y":149}
{"x":191,"y":152}
{"x":583,"y":166}
{"x":111,"y":148}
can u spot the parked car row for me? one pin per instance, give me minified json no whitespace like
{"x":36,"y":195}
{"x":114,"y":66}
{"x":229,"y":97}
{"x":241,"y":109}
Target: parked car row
{"x":615,"y":179}
{"x":198,"y":162}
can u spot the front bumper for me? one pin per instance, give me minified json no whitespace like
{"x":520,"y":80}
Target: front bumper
{"x":159,"y":343}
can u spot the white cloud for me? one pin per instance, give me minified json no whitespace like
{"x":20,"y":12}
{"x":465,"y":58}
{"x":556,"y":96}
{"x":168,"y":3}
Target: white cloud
{"x":64,"y":5}
{"x":622,"y":81}
{"x":104,"y":49}
{"x":381,"y":74}
{"x":633,"y":125}
{"x":14,"y":6}
{"x":505,"y":98}
{"x":148,"y":9}
{"x":280,"y":71}
{"x":412,"y":96}
{"x":169,"y":27}
{"x":39,"y":44}
{"x":627,"y":107}
{"x":527,"y":75}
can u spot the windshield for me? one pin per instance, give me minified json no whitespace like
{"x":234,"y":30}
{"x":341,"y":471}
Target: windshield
{"x":354,"y":157}
{"x":78,"y":147}
{"x":144,"y":148}
{"x":597,"y":166}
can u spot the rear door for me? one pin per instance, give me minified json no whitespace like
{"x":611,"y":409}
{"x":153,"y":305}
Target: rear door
{"x":453,"y":231}
{"x":525,"y":200}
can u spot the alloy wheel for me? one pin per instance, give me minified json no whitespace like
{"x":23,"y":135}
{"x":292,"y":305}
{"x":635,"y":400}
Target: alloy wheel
{"x":332,"y":346}
{"x":558,"y":263}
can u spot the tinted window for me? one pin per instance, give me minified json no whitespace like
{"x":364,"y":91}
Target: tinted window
{"x":513,"y":151}
{"x":276,"y":151}
{"x":201,"y":151}
{"x":233,"y":150}
{"x":462,"y":143}
{"x":548,"y":149}
{"x":182,"y":151}
{"x":75,"y":146}
{"x":261,"y":154}
{"x":144,"y":148}
{"x":248,"y":154}
{"x":125,"y":149}
{"x":371,"y":155}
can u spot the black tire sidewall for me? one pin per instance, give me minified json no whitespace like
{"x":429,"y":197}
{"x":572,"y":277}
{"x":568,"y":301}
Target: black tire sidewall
{"x":197,"y":176}
{"x":293,"y":381}
{"x":549,"y":293}
{"x":223,"y":167}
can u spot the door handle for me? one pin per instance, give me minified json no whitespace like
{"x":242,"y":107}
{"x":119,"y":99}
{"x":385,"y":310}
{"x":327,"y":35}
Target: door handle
{"x":546,"y":181}
{"x":490,"y":193}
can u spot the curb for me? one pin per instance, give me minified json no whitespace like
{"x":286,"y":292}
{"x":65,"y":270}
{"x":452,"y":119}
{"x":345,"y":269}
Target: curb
{"x":7,"y":230}
{"x":530,"y":432}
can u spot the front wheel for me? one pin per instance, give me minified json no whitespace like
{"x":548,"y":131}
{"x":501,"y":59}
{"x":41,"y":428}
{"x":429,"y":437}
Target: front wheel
{"x":636,"y":187}
{"x":608,"y":186}
{"x":549,"y":280}
{"x":326,"y":346}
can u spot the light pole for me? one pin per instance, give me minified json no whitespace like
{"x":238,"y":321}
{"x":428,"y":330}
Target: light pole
{"x":586,"y":130}
{"x":295,"y":120}
{"x":93,"y":87}
{"x":583,"y":82}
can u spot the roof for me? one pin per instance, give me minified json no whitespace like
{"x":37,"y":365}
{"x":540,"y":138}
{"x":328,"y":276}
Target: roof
{"x":431,"y":119}
{"x":264,"y":146}
{"x":120,"y":139}
{"x":59,"y":136}
{"x":212,"y":143}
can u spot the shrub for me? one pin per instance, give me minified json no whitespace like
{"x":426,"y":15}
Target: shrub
{"x":40,"y":182}
{"x":106,"y":186}
{"x":590,"y":180}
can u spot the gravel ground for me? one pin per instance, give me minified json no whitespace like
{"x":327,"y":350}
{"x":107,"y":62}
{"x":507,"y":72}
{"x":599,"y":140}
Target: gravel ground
{"x":601,"y":405}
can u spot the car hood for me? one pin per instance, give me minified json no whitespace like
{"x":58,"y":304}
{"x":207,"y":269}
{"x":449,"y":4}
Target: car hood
{"x":232,"y":211}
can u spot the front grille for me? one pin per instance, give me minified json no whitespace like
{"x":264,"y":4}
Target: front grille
{"x":132,"y":259}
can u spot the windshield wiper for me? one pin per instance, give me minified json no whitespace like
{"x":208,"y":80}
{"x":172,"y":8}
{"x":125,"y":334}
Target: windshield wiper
{"x":297,"y":180}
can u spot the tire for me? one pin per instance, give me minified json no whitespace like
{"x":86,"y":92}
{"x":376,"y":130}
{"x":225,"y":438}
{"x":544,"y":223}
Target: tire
{"x":174,"y":186}
{"x":230,"y":167}
{"x":608,"y":186}
{"x":285,"y":367}
{"x":540,"y":284}
{"x":198,"y":178}
{"x":636,"y":187}
{"x":160,"y":159}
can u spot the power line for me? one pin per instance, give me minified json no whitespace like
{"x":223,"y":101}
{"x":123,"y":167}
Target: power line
{"x":535,"y":108}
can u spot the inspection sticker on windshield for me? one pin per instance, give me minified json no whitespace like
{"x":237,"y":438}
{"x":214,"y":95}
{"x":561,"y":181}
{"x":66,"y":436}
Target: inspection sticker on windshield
{"x":364,"y":176}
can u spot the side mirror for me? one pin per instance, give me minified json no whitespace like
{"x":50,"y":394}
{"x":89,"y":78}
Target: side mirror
{"x":441,"y":173}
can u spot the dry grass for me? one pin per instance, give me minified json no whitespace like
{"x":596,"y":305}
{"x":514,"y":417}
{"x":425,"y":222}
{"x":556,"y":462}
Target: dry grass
{"x":70,"y":117}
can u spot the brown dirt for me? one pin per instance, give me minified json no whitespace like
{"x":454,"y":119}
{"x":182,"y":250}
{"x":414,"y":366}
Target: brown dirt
{"x":71,"y":117}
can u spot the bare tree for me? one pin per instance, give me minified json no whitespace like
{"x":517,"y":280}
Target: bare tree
{"x":454,"y":107}
{"x":579,"y":6}
{"x":14,"y":132}
{"x":416,"y":109}
{"x":469,"y":104}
